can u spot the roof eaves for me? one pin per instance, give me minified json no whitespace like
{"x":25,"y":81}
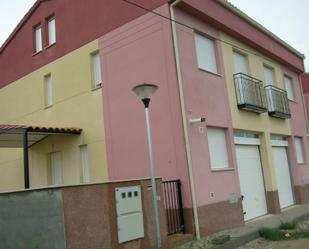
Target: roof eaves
{"x":257,"y":25}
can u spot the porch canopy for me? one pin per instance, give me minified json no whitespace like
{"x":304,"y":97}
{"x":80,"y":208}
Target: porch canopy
{"x":25,"y":136}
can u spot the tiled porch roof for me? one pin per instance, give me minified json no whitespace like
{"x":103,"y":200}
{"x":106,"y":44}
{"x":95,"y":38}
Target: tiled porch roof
{"x":12,"y":136}
{"x":32,"y":128}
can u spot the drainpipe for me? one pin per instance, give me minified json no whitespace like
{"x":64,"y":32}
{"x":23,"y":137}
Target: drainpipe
{"x":303,"y":102}
{"x":184,"y":120}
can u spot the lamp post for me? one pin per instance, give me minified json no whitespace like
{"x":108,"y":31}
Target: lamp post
{"x":144,"y":92}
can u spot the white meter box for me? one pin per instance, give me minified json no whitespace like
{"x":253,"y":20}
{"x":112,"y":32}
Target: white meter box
{"x":129,"y":213}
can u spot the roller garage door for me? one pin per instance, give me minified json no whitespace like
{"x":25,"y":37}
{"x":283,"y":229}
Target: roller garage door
{"x":283,"y":175}
{"x":251,"y":179}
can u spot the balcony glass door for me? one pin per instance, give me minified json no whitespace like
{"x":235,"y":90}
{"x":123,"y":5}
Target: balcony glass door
{"x":269,"y":80}
{"x":269,"y":76}
{"x":241,"y":66}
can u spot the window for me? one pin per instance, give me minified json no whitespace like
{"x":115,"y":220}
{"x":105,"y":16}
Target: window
{"x":299,"y":150}
{"x":245,"y":134}
{"x":48,"y":90}
{"x":217,"y":148}
{"x":240,"y":62}
{"x":96,"y":69}
{"x":38,"y":39}
{"x":206,"y":55}
{"x":56,"y":168}
{"x":268,"y":75}
{"x":51,"y":25}
{"x":278,"y":138}
{"x":289,"y":87}
{"x":85,"y":163}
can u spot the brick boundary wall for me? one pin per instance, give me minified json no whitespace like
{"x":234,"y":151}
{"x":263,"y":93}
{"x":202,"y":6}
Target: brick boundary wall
{"x":74,"y":217}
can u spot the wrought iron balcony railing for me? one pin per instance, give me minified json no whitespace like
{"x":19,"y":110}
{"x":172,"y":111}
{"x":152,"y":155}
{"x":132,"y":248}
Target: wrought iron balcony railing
{"x":250,"y":93}
{"x":278,"y":104}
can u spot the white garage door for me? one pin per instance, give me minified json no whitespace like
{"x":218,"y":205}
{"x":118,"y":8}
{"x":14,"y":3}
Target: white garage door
{"x":251,"y":181}
{"x":283,"y":177}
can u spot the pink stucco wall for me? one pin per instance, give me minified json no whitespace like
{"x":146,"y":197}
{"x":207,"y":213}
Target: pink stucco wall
{"x":206,"y":96}
{"x":306,"y":97}
{"x":138,"y":52}
{"x":298,"y":128}
{"x":142,"y":51}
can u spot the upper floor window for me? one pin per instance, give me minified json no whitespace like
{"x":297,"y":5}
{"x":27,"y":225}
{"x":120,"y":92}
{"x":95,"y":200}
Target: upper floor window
{"x":240,"y":62}
{"x":96,"y":69}
{"x":217,"y":148}
{"x":206,"y":54}
{"x":48,"y":90}
{"x":51,"y":25}
{"x":38,"y":38}
{"x":288,"y":83}
{"x":268,"y":75}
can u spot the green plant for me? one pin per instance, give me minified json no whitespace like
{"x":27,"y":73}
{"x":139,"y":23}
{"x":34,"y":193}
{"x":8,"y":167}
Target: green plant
{"x":102,"y":246}
{"x":301,"y":234}
{"x":32,"y":247}
{"x":276,"y":234}
{"x":35,"y":247}
{"x":272,"y":234}
{"x":288,"y":225}
{"x":220,"y":239}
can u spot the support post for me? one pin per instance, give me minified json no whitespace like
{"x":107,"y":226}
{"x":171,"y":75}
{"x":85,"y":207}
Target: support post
{"x":26,"y":160}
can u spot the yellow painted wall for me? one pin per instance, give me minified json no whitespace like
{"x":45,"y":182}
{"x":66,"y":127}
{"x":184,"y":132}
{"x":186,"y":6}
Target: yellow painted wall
{"x":75,"y":104}
{"x":262,"y":124}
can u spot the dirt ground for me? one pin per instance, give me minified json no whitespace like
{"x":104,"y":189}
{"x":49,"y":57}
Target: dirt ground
{"x":291,"y":244}
{"x":263,"y":244}
{"x":255,"y":244}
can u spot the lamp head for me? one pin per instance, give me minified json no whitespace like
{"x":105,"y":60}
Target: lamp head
{"x":144,"y":92}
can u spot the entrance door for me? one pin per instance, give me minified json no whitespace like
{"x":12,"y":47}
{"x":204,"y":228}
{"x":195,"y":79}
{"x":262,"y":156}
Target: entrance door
{"x":251,"y":181}
{"x":55,"y":160}
{"x":283,"y":177}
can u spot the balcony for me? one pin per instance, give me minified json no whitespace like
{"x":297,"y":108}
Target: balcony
{"x":278,"y":104}
{"x":250,"y":93}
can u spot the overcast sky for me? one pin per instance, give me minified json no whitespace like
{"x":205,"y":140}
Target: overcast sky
{"x":288,"y":19}
{"x":11,"y":12}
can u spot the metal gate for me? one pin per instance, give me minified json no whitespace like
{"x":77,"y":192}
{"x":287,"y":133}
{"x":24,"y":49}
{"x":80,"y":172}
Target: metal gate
{"x":173,"y":206}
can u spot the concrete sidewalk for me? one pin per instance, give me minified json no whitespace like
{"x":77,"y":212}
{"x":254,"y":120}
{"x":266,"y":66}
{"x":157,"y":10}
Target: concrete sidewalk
{"x":242,"y":235}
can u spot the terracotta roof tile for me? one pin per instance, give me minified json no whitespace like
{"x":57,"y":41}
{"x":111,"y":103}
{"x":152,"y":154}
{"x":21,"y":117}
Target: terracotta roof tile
{"x":33,"y":128}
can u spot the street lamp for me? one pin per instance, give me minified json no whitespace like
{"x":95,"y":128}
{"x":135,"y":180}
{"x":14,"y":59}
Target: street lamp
{"x":144,"y":92}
